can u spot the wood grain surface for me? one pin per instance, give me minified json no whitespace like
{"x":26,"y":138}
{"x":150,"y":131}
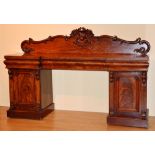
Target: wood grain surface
{"x":60,"y":120}
{"x":126,"y":61}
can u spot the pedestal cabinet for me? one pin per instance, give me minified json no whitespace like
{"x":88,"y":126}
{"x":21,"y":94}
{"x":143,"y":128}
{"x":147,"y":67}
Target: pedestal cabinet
{"x":30,"y":93}
{"x":128,"y":102}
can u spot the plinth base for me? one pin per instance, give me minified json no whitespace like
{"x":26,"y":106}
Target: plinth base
{"x":31,"y":114}
{"x":127,"y":121}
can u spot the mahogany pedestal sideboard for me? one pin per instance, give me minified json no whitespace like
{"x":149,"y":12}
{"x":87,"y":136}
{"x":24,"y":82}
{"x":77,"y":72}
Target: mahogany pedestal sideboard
{"x":30,"y":76}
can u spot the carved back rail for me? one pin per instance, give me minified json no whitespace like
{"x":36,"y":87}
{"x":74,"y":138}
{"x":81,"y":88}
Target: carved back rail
{"x":82,"y":42}
{"x":82,"y":51}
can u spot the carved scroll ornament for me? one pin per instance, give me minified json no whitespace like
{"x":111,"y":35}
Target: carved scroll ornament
{"x":83,"y":38}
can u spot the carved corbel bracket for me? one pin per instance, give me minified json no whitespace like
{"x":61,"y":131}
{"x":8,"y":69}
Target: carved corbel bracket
{"x":37,"y":74}
{"x":111,"y":77}
{"x":144,"y":77}
{"x":10,"y":72}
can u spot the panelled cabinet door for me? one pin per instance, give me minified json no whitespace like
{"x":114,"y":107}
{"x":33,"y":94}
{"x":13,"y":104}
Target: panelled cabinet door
{"x":128,"y":94}
{"x":25,"y":87}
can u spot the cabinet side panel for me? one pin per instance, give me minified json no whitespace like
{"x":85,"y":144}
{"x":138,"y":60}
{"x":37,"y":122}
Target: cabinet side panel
{"x":46,"y":88}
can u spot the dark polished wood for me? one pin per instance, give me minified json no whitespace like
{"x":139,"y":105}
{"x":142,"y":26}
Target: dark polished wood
{"x":30,"y":93}
{"x":126,"y":61}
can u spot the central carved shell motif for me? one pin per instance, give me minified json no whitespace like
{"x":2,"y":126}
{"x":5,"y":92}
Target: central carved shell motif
{"x":83,"y":37}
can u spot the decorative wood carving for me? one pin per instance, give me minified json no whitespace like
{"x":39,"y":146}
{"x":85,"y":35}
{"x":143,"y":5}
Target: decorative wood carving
{"x":144,"y":77}
{"x":37,"y":74}
{"x":111,"y":77}
{"x":127,"y":63}
{"x":84,"y":39}
{"x":10,"y":74}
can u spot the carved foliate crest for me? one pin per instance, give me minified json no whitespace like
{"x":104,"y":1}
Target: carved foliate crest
{"x":83,"y":37}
